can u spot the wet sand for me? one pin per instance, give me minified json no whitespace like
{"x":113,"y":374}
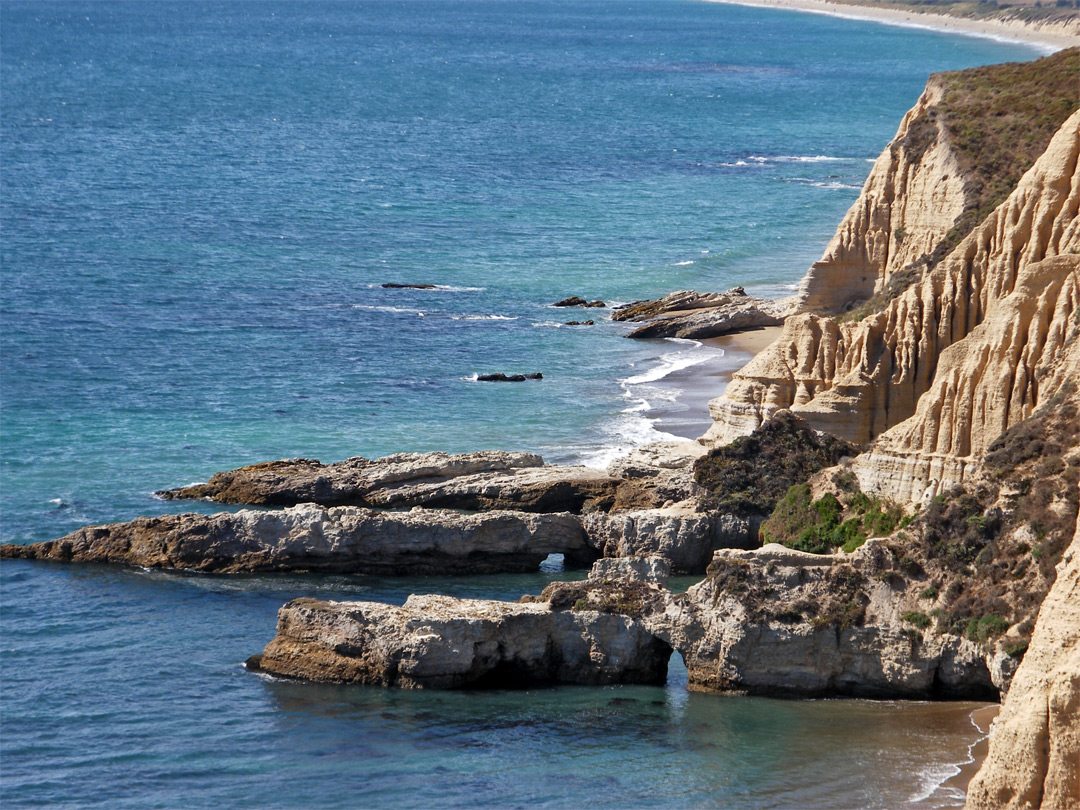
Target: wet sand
{"x":687,"y":416}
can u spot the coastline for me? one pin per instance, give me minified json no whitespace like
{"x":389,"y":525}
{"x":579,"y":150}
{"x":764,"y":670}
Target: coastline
{"x":686,"y":414}
{"x":1012,"y":29}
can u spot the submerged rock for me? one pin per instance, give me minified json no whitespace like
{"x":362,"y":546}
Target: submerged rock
{"x":341,"y":539}
{"x":446,"y":643}
{"x":390,"y":285}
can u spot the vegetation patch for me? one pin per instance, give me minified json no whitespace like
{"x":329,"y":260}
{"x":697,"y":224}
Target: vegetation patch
{"x":749,"y":476}
{"x":995,"y":544}
{"x":610,"y":596}
{"x":914,"y":617}
{"x":821,"y":526}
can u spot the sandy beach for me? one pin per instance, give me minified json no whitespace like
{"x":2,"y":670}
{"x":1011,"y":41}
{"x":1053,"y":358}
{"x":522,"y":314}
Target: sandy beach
{"x":1051,"y":36}
{"x":688,"y":415}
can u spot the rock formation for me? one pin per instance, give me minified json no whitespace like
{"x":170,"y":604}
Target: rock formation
{"x":313,"y":538}
{"x":1034,"y":756}
{"x":858,"y":379}
{"x":441,"y":642}
{"x":782,"y":622}
{"x":696,"y":316}
{"x":501,"y":377}
{"x":483,"y":480}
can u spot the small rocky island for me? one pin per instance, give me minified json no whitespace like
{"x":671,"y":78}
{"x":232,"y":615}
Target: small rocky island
{"x":887,"y":504}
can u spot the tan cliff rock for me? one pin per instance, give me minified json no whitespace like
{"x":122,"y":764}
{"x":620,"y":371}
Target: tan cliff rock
{"x":912,"y":197}
{"x":856,"y":380}
{"x":1034,"y":756}
{"x":994,"y":378}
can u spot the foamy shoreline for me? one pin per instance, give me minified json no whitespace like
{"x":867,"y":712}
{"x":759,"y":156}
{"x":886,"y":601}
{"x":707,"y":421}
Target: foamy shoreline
{"x":1011,"y":30}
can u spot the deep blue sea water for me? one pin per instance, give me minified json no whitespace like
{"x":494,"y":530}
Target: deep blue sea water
{"x":199,"y":203}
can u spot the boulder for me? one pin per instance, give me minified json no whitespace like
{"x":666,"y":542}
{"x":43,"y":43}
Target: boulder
{"x":679,"y":533}
{"x":651,"y":568}
{"x":446,"y":643}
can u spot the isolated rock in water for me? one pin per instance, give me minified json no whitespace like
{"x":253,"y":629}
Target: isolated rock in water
{"x":1034,"y":756}
{"x":313,"y":538}
{"x":678,"y":301}
{"x":390,"y":285}
{"x":447,"y":643}
{"x":575,"y":301}
{"x":500,"y":377}
{"x":302,"y":480}
{"x":580,"y":323}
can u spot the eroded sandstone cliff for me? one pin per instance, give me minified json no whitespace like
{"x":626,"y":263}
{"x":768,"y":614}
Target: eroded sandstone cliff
{"x":858,"y":379}
{"x":1034,"y":756}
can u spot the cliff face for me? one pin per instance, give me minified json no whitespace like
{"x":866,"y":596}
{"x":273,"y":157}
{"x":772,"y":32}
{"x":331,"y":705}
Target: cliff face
{"x":910,"y":201}
{"x":856,"y":380}
{"x":1034,"y":757}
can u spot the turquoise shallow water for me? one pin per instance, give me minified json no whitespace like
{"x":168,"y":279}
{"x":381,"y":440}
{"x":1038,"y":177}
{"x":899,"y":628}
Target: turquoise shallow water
{"x":199,"y":204}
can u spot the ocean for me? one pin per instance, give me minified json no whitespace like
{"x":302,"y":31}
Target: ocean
{"x":199,"y":205}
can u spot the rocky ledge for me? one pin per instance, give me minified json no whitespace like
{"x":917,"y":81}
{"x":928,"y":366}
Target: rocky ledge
{"x":447,"y":643}
{"x":695,"y":316}
{"x":314,"y":538}
{"x":776,"y":621}
{"x":475,"y":481}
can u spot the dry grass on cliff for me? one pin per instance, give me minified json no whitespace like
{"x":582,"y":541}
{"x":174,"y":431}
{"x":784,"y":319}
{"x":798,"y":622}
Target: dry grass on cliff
{"x":999,"y":119}
{"x":990,"y":549}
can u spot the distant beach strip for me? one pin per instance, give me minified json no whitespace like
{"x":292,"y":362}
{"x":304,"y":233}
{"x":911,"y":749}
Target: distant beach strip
{"x":1051,"y":36}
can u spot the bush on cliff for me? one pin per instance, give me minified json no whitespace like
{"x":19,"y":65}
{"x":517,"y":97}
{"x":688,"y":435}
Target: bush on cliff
{"x":749,"y":476}
{"x":990,"y":549}
{"x":827,"y":523}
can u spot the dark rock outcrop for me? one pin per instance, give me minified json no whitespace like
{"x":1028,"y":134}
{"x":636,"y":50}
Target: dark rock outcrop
{"x":696,"y":316}
{"x":390,"y":285}
{"x":500,"y":377}
{"x":575,"y":301}
{"x":473,"y":481}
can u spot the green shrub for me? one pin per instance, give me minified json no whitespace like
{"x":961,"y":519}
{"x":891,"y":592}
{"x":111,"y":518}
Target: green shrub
{"x":986,"y":627}
{"x":929,"y":593}
{"x":920,"y":620}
